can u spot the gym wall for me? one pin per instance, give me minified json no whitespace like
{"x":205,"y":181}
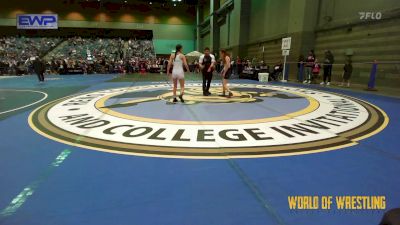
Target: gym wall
{"x":319,"y":25}
{"x":341,"y":30}
{"x":230,"y":30}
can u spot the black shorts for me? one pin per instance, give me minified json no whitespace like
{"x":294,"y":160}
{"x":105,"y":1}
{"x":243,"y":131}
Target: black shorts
{"x":228,"y":74}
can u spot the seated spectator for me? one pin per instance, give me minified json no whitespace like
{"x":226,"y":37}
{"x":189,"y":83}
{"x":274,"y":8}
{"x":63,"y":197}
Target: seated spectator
{"x":277,"y":69}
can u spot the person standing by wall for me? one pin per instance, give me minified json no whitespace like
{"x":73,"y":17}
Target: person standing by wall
{"x":328,"y":61}
{"x":239,"y":65}
{"x":347,"y":71}
{"x":207,"y":63}
{"x":300,"y":67}
{"x":309,"y":65}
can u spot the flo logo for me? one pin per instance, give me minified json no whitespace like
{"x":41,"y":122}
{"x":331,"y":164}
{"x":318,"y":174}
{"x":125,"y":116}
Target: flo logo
{"x":370,"y":15}
{"x":258,"y":121}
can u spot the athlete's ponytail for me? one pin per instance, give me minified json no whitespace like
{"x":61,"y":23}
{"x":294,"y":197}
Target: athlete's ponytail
{"x":178,"y":48}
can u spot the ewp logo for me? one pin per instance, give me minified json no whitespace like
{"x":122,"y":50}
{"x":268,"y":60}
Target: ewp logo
{"x":37,"y":21}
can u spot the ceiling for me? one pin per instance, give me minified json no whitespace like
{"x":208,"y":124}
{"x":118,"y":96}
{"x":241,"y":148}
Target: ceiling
{"x":156,"y":2}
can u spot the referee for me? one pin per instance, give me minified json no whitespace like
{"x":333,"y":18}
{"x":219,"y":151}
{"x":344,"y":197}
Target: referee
{"x":207,"y":62}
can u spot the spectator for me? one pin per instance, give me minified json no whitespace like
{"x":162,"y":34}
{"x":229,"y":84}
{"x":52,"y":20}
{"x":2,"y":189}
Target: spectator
{"x":300,"y":67}
{"x":347,"y":71}
{"x":315,"y":70}
{"x":239,"y":65}
{"x":328,"y":61}
{"x":309,"y":65}
{"x":278,"y":68}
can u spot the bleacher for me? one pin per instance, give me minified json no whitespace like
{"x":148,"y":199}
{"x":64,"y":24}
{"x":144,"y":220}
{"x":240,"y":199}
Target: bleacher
{"x":16,"y":53}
